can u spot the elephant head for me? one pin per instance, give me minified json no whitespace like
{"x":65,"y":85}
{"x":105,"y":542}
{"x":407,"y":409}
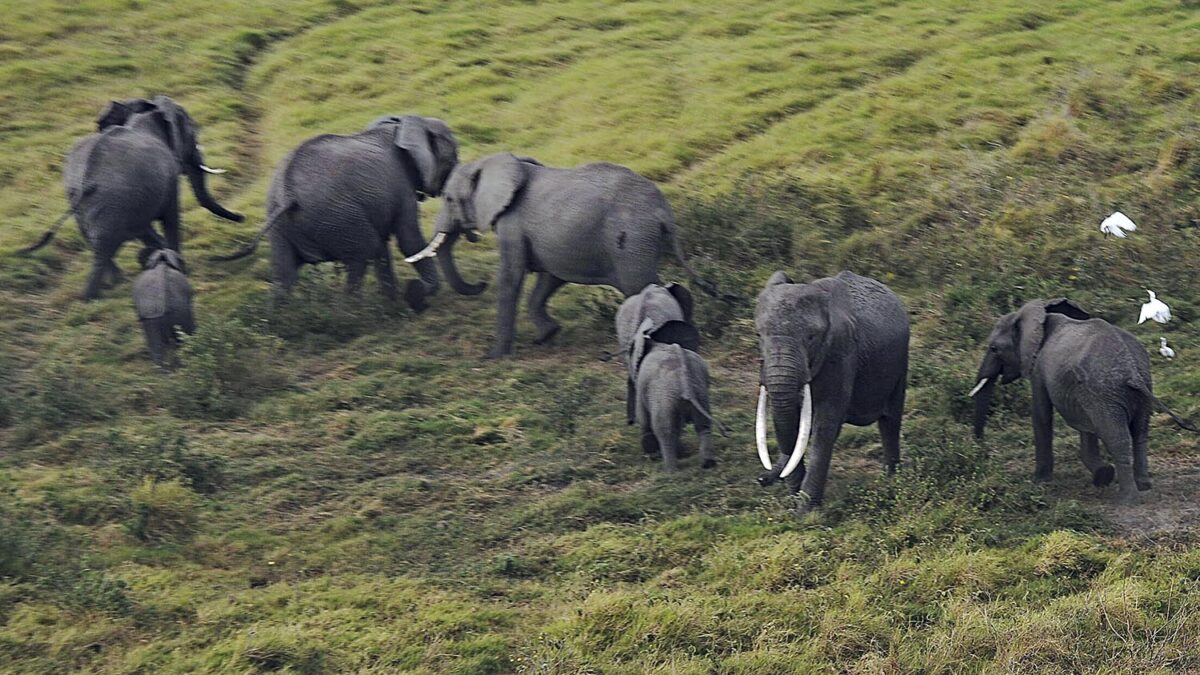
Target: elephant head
{"x":1013,"y":346}
{"x":149,"y":258}
{"x":176,"y":128}
{"x":428,"y":143}
{"x":800,"y":327}
{"x":476,"y":195}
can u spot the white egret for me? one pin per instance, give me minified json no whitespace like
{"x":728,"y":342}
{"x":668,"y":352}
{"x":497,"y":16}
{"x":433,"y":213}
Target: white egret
{"x":1155,"y":309}
{"x":1116,"y":225}
{"x":1164,"y":349}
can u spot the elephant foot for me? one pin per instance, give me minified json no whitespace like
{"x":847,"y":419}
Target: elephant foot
{"x":1043,"y":476}
{"x":1143,"y":484}
{"x":1104,"y":476}
{"x":414,"y":295}
{"x":649,"y":444}
{"x":498,"y":353}
{"x":709,"y":463}
{"x":547,"y":335}
{"x":805,"y":504}
{"x":1127,"y":497}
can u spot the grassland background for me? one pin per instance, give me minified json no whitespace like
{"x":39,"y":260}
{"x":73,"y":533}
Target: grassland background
{"x":328,"y":490}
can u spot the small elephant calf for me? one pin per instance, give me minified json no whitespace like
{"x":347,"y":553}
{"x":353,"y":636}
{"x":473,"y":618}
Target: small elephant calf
{"x":671,"y":389}
{"x":162,"y":298}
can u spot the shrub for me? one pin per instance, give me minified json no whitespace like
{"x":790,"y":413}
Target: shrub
{"x":226,"y":366}
{"x":163,"y":511}
{"x":60,"y":390}
{"x":163,"y":454}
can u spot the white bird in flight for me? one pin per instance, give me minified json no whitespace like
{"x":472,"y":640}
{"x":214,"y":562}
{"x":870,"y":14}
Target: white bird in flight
{"x":1164,"y":349}
{"x":1155,"y":309}
{"x":1117,"y":224}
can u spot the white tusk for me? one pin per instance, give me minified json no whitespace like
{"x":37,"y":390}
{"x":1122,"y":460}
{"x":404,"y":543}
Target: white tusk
{"x":802,"y":437}
{"x":430,"y":250}
{"x":760,"y":429}
{"x":978,"y":387}
{"x":209,"y":169}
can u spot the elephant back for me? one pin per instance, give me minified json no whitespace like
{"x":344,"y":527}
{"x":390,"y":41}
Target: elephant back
{"x":161,"y":291}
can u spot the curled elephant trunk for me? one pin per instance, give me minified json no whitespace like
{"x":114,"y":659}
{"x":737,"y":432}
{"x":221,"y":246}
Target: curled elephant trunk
{"x":195,"y":176}
{"x":983,"y":402}
{"x":445,"y":257}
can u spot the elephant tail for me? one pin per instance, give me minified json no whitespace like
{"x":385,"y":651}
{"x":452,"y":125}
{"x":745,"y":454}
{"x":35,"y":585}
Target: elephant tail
{"x":689,"y":394}
{"x":45,"y":239}
{"x":272,"y":219}
{"x":1183,"y":423}
{"x":704,"y":284}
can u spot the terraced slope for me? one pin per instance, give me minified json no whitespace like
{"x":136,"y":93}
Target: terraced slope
{"x":342,"y":486}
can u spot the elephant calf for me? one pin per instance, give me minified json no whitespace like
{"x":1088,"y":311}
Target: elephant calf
{"x":834,"y":351}
{"x":1094,"y":374}
{"x":671,"y":390}
{"x":659,"y":304}
{"x":162,"y":298}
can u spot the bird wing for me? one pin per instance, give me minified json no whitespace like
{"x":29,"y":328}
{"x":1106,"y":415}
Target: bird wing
{"x":1147,"y":312}
{"x":1119,"y":221}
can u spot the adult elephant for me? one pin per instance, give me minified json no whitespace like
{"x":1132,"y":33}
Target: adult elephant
{"x":598,"y":223}
{"x":834,"y":351}
{"x":123,"y":178}
{"x":1096,"y":375}
{"x":342,"y":198}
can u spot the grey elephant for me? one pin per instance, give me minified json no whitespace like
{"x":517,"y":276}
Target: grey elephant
{"x":672,"y":390}
{"x":343,"y":198}
{"x":162,"y":298}
{"x":834,"y":351}
{"x":598,"y":223}
{"x":1096,"y":375}
{"x":123,"y":178}
{"x":659,"y":304}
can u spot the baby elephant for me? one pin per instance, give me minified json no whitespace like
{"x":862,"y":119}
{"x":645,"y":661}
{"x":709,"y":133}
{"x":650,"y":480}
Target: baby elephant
{"x":671,"y":389}
{"x":162,"y":298}
{"x":659,"y":304}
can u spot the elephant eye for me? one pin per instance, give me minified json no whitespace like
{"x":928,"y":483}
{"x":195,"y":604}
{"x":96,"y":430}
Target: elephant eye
{"x":993,"y":348}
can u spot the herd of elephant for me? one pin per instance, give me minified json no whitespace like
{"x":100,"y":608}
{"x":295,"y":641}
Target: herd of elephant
{"x":834,"y":350}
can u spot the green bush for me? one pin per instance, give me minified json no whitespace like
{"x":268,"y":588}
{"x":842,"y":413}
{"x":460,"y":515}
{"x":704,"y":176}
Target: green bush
{"x":163,"y":511}
{"x":163,"y":454}
{"x":225,"y":367}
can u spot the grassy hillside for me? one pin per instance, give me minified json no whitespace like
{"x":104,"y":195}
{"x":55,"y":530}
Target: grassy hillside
{"x":344,"y":486}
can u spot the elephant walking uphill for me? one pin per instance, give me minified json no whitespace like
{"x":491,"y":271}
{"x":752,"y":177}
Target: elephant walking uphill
{"x":124,"y":177}
{"x":593,"y":224}
{"x":342,"y":198}
{"x":834,"y":351}
{"x":1094,"y":374}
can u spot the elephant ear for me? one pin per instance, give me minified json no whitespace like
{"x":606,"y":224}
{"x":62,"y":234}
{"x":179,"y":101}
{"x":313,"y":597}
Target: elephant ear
{"x":1066,"y":307}
{"x":1030,"y":329}
{"x":777,"y":278}
{"x":413,"y":137}
{"x":840,"y":332}
{"x":677,"y":333}
{"x":117,"y":113}
{"x":639,"y":346}
{"x":684,"y":297}
{"x":498,"y":179}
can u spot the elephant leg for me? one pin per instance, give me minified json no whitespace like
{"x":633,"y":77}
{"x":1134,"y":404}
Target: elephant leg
{"x":820,"y":451}
{"x":1140,"y":430}
{"x":649,"y":442}
{"x":1089,"y":453}
{"x":102,"y":266}
{"x":386,"y":275}
{"x":113,"y":274}
{"x":510,"y":279}
{"x":704,"y":432}
{"x":1043,"y":433}
{"x":156,"y":339}
{"x":666,"y":429}
{"x":285,"y":267}
{"x":355,"y":271}
{"x":545,"y":287}
{"x":171,"y":223}
{"x":1119,"y":442}
{"x":630,"y":400}
{"x":889,"y":429}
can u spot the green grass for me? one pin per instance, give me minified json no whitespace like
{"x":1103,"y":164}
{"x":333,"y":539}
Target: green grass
{"x":346,"y":486}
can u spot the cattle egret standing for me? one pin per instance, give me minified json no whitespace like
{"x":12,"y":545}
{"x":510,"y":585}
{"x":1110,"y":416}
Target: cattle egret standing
{"x":1164,"y":349}
{"x":1155,"y":309}
{"x":1116,"y":225}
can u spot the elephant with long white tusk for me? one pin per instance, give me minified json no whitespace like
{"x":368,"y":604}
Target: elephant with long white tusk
{"x":834,"y":351}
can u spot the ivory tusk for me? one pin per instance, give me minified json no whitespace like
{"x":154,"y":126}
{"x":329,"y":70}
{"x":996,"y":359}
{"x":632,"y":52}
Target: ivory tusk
{"x":802,"y":437}
{"x":978,"y":387}
{"x":760,"y":429}
{"x":209,"y":169}
{"x":429,"y":251}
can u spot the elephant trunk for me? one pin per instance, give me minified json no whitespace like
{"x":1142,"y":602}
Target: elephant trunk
{"x":196,"y":177}
{"x":445,"y":257}
{"x":985,"y":386}
{"x":786,"y":383}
